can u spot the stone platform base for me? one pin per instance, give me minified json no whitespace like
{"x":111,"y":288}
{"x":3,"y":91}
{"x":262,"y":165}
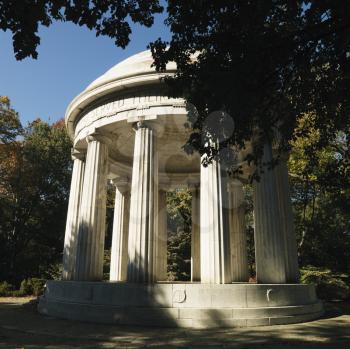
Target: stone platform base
{"x":192,"y":305}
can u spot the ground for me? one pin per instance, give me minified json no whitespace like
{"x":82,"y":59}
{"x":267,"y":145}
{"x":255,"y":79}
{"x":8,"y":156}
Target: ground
{"x":21,"y":327}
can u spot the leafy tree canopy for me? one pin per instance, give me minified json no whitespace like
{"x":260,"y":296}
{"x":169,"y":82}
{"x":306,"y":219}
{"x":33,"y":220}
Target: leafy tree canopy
{"x":250,"y":68}
{"x":253,"y":68}
{"x":179,"y":234}
{"x":320,"y":189}
{"x":108,"y":17}
{"x":35,"y":174}
{"x":10,"y":125}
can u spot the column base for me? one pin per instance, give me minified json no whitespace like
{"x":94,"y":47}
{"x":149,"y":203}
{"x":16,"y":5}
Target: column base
{"x":191,"y":305}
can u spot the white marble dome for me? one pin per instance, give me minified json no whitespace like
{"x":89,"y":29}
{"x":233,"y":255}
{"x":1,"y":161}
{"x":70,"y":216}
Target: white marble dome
{"x":138,"y":64}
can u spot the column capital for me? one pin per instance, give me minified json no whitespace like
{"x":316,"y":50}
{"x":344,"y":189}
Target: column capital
{"x":78,"y":154}
{"x":123,"y":184}
{"x":97,"y":136}
{"x":149,"y":124}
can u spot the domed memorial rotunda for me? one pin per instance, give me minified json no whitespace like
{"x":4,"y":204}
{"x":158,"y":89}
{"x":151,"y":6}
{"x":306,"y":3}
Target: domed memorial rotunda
{"x":125,"y":129}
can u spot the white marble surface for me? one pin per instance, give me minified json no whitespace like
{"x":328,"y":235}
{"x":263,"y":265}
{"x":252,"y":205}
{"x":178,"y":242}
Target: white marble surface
{"x":181,"y":304}
{"x":71,"y":232}
{"x":268,"y":234}
{"x":120,"y":233}
{"x":238,"y":238}
{"x":143,"y":224}
{"x":91,"y":231}
{"x":215,"y":255}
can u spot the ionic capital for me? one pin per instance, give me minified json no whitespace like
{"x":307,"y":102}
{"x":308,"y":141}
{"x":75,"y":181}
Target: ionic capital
{"x":78,"y":154}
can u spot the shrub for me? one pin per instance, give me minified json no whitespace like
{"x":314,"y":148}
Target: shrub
{"x":25,"y":288}
{"x":329,"y":285}
{"x":16,"y":293}
{"x":37,"y":286}
{"x":31,"y":286}
{"x":5,"y":289}
{"x":53,"y":272}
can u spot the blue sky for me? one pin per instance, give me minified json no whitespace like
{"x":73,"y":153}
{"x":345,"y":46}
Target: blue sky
{"x":70,"y":57}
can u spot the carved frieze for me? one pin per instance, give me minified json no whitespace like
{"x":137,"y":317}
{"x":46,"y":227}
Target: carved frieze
{"x":127,"y":106}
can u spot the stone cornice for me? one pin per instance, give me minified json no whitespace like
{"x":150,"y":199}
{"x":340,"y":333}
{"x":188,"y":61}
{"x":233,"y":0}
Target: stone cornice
{"x":90,"y":96}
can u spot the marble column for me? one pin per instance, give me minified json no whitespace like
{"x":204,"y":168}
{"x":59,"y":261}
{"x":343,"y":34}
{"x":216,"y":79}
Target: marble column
{"x":71,"y":233}
{"x":162,"y":244}
{"x":287,"y":222}
{"x":238,"y":239}
{"x":119,"y":249}
{"x":269,"y":239}
{"x":195,"y":236}
{"x":215,"y":253}
{"x":91,"y":235}
{"x":143,"y":207}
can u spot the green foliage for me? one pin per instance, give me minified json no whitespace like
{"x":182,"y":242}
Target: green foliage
{"x":329,"y":285}
{"x":36,"y":286}
{"x":29,"y":287}
{"x":179,"y":256}
{"x":320,"y":189}
{"x":109,"y":218}
{"x":106,"y":264}
{"x":34,"y":191}
{"x":5,"y":289}
{"x":179,"y":210}
{"x":10,"y":125}
{"x":258,"y":65}
{"x":25,"y":288}
{"x":109,"y":17}
{"x":179,"y":235}
{"x":53,"y":271}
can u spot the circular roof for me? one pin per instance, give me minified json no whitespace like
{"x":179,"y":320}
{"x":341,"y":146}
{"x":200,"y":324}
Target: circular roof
{"x":138,"y":64}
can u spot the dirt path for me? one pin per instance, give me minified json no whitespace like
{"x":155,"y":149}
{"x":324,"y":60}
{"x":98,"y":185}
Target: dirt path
{"x":22,"y":327}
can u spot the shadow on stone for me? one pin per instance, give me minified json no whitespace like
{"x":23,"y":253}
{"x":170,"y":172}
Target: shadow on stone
{"x":21,"y":326}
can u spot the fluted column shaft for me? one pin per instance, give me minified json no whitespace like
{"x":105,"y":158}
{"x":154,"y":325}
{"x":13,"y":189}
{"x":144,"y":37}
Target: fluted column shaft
{"x":269,"y":239}
{"x":215,"y":253}
{"x":239,"y":258}
{"x":195,"y":237}
{"x":143,"y":208}
{"x":119,"y":248}
{"x":71,"y":233}
{"x":90,"y":251}
{"x":287,"y":222}
{"x":162,"y":237}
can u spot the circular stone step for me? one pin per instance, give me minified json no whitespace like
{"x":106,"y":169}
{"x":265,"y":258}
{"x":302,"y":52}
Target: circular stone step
{"x":192,"y":305}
